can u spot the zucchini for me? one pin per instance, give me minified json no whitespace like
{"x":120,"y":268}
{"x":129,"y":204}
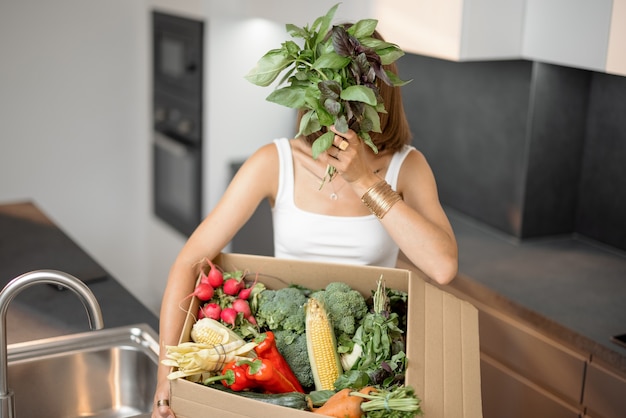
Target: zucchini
{"x":295,"y":400}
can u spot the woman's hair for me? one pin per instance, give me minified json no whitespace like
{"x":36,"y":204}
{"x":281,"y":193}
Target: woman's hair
{"x":394,"y":125}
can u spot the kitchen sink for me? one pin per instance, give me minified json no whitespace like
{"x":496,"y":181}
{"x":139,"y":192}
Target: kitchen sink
{"x":104,"y":373}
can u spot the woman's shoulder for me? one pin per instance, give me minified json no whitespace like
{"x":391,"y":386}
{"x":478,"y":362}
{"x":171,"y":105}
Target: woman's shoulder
{"x":415,"y":170}
{"x":267,"y":152}
{"x":262,"y":161}
{"x":412,"y":157}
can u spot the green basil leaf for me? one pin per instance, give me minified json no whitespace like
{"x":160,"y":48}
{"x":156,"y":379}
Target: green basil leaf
{"x":322,"y":24}
{"x":368,"y":140}
{"x":359,"y":93}
{"x":341,"y":124}
{"x":309,"y":124}
{"x":322,"y":143}
{"x":363,"y":28}
{"x":395,"y":80}
{"x":268,"y":68}
{"x":295,"y":31}
{"x":331,"y":60}
{"x":292,"y":48}
{"x":288,"y":96}
{"x":372,"y":115}
{"x":324,"y":116}
{"x":389,"y":55}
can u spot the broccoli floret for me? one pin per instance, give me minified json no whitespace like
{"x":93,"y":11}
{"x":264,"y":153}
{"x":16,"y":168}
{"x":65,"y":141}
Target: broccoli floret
{"x":293,"y":348}
{"x":344,"y":305}
{"x":281,"y":309}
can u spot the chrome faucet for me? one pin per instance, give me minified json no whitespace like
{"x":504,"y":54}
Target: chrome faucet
{"x":15,"y":286}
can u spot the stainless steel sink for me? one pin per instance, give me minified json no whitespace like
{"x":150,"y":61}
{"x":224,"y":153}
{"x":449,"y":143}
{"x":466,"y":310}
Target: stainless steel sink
{"x":104,"y":373}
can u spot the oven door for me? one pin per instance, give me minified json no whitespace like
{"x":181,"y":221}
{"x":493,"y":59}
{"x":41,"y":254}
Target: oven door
{"x":177,"y":183}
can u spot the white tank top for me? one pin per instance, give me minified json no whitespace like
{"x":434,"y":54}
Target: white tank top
{"x":303,"y":235}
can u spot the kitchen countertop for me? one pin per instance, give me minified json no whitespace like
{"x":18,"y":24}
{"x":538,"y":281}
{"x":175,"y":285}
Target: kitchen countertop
{"x":30,"y":240}
{"x":570,"y":288}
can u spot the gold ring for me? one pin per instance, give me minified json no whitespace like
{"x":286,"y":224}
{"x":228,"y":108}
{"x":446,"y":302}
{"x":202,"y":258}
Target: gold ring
{"x":343,"y":145}
{"x":163,"y":402}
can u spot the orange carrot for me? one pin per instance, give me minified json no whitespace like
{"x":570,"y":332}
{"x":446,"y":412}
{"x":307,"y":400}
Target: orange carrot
{"x":343,"y":405}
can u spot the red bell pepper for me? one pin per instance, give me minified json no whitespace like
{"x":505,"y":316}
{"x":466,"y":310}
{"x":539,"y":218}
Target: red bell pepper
{"x":267,"y":376}
{"x":266,"y":349}
{"x":234,"y":376}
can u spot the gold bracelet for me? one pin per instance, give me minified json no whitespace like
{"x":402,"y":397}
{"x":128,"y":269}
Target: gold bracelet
{"x":380,"y":198}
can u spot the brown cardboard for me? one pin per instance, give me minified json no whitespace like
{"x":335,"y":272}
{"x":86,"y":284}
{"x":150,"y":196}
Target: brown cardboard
{"x":442,"y":341}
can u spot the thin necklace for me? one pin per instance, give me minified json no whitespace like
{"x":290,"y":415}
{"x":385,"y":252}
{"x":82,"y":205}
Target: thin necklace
{"x":334,"y":195}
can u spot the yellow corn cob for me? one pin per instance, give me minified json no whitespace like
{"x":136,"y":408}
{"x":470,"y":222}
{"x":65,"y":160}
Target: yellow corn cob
{"x":211,"y":332}
{"x":321,"y":346}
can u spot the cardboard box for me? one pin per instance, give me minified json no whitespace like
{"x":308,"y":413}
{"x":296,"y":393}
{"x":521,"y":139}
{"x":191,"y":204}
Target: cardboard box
{"x":443,"y":358}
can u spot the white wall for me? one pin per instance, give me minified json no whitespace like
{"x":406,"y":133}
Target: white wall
{"x":75,"y":117}
{"x":73,"y":105}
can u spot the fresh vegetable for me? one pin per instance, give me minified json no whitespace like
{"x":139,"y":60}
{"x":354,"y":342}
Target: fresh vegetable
{"x":246,"y":292}
{"x":215,"y":276}
{"x":293,"y":348}
{"x":229,"y":316}
{"x":380,"y":341}
{"x":281,"y":309}
{"x":294,"y":400}
{"x":234,"y":376}
{"x":231,"y":300}
{"x":242,"y":306}
{"x":332,"y":78}
{"x":193,"y":358}
{"x":398,"y":402}
{"x":343,"y":404}
{"x":233,"y":286}
{"x":203,"y":291}
{"x":211,"y":332}
{"x":294,"y":345}
{"x":210,"y":310}
{"x":266,"y":349}
{"x":269,"y":377}
{"x":321,"y":346}
{"x":345,"y":307}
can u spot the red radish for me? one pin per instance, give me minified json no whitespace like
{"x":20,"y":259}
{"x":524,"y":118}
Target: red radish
{"x":247,"y":291}
{"x":203,"y":291}
{"x":233,"y":286}
{"x":229,"y":315}
{"x":204,"y":278}
{"x":210,"y":310}
{"x":251,"y":319}
{"x":242,"y":306}
{"x":215,"y":277}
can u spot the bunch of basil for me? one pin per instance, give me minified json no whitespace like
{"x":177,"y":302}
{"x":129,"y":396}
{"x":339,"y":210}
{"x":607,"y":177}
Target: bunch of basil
{"x":332,"y":77}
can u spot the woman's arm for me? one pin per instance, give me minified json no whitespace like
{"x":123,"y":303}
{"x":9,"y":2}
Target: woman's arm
{"x":256,"y":179}
{"x":417,"y":223}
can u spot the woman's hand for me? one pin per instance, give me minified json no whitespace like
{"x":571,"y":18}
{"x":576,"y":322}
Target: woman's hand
{"x":161,"y":407}
{"x":348,"y":154}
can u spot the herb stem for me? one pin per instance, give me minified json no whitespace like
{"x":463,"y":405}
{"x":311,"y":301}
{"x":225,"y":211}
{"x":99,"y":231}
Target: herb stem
{"x":310,"y":65}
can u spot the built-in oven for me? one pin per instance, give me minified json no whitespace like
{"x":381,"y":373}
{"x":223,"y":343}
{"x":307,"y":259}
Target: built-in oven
{"x":177,"y":120}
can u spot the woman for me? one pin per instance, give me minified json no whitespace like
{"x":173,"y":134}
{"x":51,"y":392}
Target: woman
{"x":354,"y":218}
